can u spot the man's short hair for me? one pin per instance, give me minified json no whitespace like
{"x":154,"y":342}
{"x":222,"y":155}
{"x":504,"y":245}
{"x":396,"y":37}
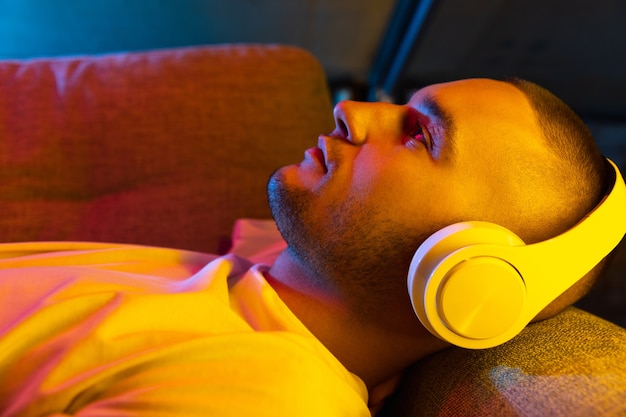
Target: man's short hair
{"x":580,"y":169}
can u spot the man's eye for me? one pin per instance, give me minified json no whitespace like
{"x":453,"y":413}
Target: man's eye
{"x":417,"y":137}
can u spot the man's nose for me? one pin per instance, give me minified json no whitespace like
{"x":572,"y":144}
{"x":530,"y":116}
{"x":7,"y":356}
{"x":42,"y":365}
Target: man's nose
{"x":357,"y":121}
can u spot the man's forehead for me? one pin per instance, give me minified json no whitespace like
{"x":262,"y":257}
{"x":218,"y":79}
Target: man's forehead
{"x":464,"y":88}
{"x":475,"y":97}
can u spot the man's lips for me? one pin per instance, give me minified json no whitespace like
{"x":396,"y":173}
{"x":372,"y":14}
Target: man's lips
{"x":322,"y":146}
{"x":317,"y":155}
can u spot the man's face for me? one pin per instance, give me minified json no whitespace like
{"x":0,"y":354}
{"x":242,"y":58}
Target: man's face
{"x":388,"y":176}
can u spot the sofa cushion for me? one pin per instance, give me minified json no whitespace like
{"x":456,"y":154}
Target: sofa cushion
{"x":165,"y":148}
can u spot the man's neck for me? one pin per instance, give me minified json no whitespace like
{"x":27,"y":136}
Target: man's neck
{"x":374,"y":350}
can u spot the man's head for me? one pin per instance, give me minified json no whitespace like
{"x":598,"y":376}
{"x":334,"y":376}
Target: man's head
{"x":356,"y":208}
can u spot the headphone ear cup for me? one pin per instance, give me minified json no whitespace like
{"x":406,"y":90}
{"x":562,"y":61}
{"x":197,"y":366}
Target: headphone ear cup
{"x":477,"y":284}
{"x":462,"y":291}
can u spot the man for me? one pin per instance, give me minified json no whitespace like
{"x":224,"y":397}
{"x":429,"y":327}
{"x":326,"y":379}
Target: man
{"x":142,"y":331}
{"x":354,"y":211}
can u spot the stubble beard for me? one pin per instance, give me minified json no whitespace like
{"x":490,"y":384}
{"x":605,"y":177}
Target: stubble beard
{"x":289,"y":206}
{"x":359,"y":251}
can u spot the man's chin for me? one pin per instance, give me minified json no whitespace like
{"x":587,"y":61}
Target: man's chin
{"x":287,"y":204}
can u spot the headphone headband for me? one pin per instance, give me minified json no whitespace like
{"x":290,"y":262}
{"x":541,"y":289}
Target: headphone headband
{"x":477,"y":284}
{"x":578,"y":250}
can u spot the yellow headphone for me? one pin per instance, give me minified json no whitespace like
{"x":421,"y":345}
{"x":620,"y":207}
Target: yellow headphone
{"x":477,"y":285}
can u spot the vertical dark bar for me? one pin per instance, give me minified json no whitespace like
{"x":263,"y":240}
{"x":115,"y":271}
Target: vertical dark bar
{"x":396,"y":27}
{"x":400,"y":38}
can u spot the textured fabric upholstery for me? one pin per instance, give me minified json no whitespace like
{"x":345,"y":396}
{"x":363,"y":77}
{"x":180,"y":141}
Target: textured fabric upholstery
{"x":164,"y":148}
{"x":573,"y":364}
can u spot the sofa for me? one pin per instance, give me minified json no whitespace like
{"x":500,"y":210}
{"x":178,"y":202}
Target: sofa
{"x":173,"y":147}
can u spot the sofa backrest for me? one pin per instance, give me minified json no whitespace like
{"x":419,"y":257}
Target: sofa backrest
{"x":163,"y":148}
{"x":572,"y":365}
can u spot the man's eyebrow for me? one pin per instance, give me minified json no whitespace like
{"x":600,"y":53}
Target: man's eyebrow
{"x":433,"y":109}
{"x":429,"y":103}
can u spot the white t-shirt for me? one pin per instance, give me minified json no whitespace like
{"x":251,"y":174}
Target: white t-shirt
{"x":91,"y":329}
